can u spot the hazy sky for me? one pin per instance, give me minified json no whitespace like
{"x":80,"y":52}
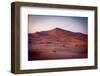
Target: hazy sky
{"x":38,"y":23}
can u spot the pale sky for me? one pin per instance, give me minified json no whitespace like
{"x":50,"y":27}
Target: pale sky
{"x":37,"y":23}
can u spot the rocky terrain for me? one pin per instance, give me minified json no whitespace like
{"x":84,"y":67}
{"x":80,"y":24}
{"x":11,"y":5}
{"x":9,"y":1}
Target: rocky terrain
{"x":57,"y":44}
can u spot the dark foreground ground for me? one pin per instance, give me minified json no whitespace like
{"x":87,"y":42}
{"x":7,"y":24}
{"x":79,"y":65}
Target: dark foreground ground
{"x":51,"y":51}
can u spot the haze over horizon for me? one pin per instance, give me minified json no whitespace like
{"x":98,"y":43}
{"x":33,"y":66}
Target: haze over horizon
{"x":37,"y":23}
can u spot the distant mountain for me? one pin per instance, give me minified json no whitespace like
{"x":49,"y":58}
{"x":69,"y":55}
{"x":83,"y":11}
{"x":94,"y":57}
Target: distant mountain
{"x":59,"y":36}
{"x":57,"y":44}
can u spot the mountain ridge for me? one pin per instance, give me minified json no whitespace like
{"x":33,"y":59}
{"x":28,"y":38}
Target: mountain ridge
{"x":57,"y":44}
{"x":59,"y":29}
{"x":60,"y":36}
